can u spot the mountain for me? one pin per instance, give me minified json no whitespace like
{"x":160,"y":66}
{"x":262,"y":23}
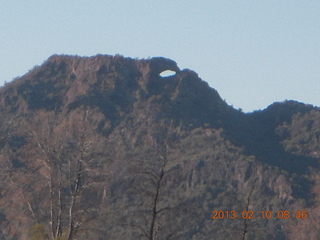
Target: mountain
{"x":104,"y":147}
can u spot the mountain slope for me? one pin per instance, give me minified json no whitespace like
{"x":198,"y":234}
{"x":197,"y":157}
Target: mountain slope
{"x":104,"y":147}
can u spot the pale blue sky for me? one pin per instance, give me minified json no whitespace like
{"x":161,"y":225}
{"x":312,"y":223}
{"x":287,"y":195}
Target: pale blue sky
{"x":252,"y":52}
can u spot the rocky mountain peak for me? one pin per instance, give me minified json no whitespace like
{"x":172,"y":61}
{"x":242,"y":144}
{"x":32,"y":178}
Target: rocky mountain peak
{"x":104,"y":147}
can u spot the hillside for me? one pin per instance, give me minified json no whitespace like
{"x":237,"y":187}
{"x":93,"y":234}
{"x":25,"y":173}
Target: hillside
{"x":104,"y":147}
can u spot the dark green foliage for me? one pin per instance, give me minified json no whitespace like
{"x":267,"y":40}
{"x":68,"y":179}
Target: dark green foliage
{"x":42,"y":95}
{"x":196,"y":103}
{"x":16,"y":142}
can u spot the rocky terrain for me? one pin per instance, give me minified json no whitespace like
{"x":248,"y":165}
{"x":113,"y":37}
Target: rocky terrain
{"x":104,"y":147}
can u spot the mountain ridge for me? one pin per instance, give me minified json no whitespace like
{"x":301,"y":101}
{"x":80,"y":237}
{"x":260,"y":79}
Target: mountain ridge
{"x":104,"y":147}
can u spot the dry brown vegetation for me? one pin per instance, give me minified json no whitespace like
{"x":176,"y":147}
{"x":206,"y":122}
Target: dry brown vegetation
{"x":104,"y":148}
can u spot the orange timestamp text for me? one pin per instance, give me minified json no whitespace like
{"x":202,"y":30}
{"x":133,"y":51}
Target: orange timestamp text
{"x":262,"y":215}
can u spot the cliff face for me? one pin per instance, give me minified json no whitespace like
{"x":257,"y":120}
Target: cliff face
{"x":104,"y":147}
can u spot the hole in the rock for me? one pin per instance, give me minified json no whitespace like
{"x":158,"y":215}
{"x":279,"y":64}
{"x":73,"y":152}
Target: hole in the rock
{"x":167,"y":73}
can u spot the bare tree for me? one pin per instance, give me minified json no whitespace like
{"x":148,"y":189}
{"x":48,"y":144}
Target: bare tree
{"x":245,"y":220}
{"x":14,"y":197}
{"x":247,"y":226}
{"x":150,"y":178}
{"x":158,"y":179}
{"x":67,"y":149}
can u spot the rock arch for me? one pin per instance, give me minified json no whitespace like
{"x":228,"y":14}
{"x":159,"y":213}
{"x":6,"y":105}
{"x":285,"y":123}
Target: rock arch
{"x":167,"y":73}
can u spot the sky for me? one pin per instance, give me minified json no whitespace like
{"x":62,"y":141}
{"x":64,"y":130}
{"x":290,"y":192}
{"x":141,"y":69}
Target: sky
{"x":253,"y":53}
